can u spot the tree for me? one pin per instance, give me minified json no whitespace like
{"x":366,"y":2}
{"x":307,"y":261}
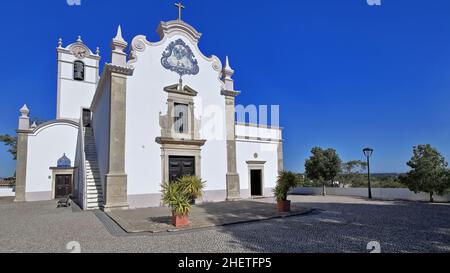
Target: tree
{"x":11,"y":142}
{"x":351,"y":172}
{"x":323,"y":166}
{"x":428,"y":173}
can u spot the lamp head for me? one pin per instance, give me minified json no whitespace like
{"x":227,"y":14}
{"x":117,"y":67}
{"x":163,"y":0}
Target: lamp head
{"x":368,"y":152}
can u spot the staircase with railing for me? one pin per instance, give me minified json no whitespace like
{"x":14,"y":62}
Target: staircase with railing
{"x":94,"y":189}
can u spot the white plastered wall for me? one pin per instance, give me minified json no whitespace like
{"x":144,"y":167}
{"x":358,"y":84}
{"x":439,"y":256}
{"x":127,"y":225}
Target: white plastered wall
{"x":257,"y":144}
{"x":146,"y":100}
{"x":45,"y":147}
{"x":73,"y":94}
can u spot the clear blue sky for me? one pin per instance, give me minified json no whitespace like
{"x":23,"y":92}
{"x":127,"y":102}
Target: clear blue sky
{"x":345,"y":74}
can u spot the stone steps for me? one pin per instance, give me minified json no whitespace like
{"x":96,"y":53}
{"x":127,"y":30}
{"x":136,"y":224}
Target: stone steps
{"x":94,"y":188}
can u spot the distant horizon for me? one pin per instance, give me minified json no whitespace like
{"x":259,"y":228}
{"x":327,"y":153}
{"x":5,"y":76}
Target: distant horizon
{"x":345,"y":74}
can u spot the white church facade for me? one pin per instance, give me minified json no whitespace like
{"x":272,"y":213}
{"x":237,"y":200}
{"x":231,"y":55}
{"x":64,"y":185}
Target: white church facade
{"x":162,"y":111}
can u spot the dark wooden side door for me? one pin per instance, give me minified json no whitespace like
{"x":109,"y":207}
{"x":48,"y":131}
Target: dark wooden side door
{"x":63,"y":185}
{"x":86,"y":118}
{"x":181,"y":166}
{"x":256,"y":182}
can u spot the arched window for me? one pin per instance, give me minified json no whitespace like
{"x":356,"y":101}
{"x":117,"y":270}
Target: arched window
{"x":78,"y":71}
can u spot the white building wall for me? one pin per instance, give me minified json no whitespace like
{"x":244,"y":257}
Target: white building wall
{"x":146,"y":101}
{"x":245,"y":151}
{"x":100,"y":125}
{"x":73,"y":94}
{"x":45,"y":147}
{"x":263,"y":143}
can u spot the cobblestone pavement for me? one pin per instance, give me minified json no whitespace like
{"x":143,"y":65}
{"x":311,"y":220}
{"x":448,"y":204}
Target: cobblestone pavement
{"x":339,"y":224}
{"x":156,"y":220}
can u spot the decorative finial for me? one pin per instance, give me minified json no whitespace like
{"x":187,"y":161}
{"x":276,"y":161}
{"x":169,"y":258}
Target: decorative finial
{"x":24,"y":111}
{"x":119,"y":34}
{"x":60,"y":42}
{"x":118,"y":46}
{"x":180,"y":8}
{"x":227,"y":63}
{"x":34,"y":125}
{"x":227,"y":70}
{"x":79,"y":39}
{"x":97,"y":51}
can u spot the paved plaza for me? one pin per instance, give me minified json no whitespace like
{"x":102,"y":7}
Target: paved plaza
{"x":155,"y":220}
{"x":337,"y":224}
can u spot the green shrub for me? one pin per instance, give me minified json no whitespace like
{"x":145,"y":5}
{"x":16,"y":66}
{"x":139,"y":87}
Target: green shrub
{"x":176,"y":198}
{"x":179,"y":195}
{"x":192,"y":186}
{"x":285,"y":182}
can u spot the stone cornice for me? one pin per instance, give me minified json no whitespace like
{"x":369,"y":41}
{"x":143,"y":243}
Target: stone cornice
{"x":167,"y":28}
{"x":69,"y":50}
{"x":230,"y":93}
{"x":166,"y":140}
{"x":258,"y":139}
{"x":48,"y":123}
{"x":124,"y":70}
{"x":187,"y":91}
{"x":21,"y":131}
{"x":256,"y":162}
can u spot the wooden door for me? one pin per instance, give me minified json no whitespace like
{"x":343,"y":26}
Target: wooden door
{"x":63,"y":185}
{"x":181,"y":166}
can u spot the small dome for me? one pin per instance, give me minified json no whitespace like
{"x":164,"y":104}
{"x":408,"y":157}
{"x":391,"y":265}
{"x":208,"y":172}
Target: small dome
{"x":64,"y":162}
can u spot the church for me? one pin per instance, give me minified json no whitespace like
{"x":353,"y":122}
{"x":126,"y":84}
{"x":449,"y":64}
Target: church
{"x":158,"y":110}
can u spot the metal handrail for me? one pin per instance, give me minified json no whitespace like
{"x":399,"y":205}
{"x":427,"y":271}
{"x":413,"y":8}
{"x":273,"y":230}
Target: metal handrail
{"x":83,"y":160}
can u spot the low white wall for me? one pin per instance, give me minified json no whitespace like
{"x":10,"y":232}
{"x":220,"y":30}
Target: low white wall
{"x":377,"y":193}
{"x":7,"y":191}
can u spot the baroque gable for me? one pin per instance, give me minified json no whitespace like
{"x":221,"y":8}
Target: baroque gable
{"x":187,"y":36}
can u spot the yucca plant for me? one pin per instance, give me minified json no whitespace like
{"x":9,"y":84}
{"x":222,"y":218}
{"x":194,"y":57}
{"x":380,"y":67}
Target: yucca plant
{"x":174,"y":196}
{"x":192,"y":186}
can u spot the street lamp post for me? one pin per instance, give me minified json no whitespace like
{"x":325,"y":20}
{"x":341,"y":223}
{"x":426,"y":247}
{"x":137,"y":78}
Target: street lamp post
{"x":368,"y":153}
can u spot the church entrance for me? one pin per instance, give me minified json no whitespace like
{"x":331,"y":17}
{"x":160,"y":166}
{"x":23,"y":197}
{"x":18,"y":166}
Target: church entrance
{"x":180,"y":166}
{"x":63,"y":185}
{"x":256,"y":182}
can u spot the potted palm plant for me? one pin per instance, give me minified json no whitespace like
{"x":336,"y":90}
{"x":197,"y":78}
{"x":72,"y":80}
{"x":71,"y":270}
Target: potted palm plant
{"x":286,"y":181}
{"x":180,"y":195}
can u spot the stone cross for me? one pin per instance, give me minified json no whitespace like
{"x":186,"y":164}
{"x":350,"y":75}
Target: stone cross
{"x":180,"y":8}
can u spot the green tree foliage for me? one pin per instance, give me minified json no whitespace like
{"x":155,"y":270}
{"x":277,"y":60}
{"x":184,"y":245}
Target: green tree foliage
{"x":352,"y":172}
{"x":323,"y":166}
{"x":11,"y":143}
{"x":429,"y":172}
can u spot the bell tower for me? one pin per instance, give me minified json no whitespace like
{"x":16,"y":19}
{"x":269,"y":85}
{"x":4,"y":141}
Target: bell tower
{"x":78,"y":75}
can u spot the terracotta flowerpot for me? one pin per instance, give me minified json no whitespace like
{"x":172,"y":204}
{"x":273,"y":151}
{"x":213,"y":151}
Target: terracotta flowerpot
{"x":180,"y":221}
{"x":284,"y":206}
